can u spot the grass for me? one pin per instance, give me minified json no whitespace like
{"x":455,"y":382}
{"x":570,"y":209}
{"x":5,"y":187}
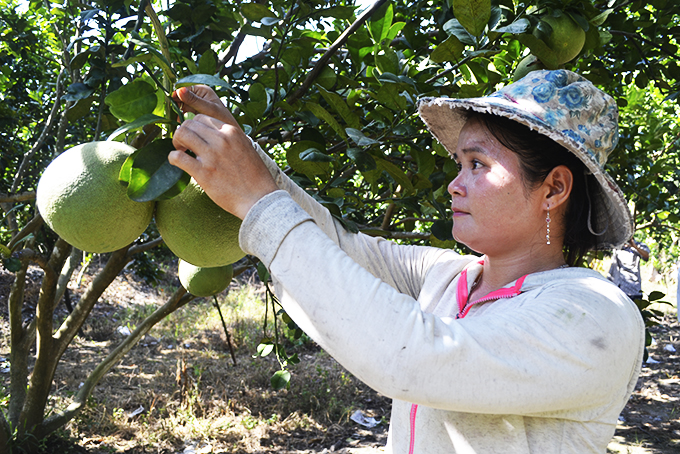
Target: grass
{"x":183,"y":377}
{"x":191,"y":393}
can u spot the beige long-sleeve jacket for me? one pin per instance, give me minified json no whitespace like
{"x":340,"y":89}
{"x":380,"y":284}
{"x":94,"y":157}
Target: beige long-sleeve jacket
{"x":547,"y":371}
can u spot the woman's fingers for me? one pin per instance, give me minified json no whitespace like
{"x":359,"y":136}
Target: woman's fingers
{"x":182,"y":160}
{"x":201,"y":99}
{"x":226,"y":166}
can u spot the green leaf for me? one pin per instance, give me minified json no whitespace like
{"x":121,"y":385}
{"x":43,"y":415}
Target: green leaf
{"x":473,"y":15}
{"x":140,"y":122}
{"x":280,"y":380}
{"x":150,"y":176}
{"x":327,"y":78}
{"x":80,"y":109}
{"x":78,"y":91}
{"x":450,"y":50}
{"x":339,"y":12}
{"x":601,"y":18}
{"x":133,"y":100}
{"x":139,"y":58}
{"x":380,"y":27}
{"x":12,"y":264}
{"x":425,"y":161}
{"x":519,"y":26}
{"x":78,"y":61}
{"x":387,"y":60}
{"x":5,"y":251}
{"x":394,"y":31}
{"x":442,"y":229}
{"x":398,"y":175}
{"x":540,"y":49}
{"x":204,"y":79}
{"x":255,"y":12}
{"x":262,"y":272}
{"x":454,"y":28}
{"x":158,"y":57}
{"x":258,"y":102}
{"x":314,"y":155}
{"x":265,"y":348}
{"x":389,"y":96}
{"x":299,"y":165}
{"x":341,"y":107}
{"x":269,"y":21}
{"x":656,"y":295}
{"x":323,"y":114}
{"x":207,"y":64}
{"x":362,"y":159}
{"x":359,"y":138}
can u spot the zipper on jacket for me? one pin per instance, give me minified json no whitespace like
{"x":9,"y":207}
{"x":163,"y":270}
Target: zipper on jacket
{"x":463,"y":292}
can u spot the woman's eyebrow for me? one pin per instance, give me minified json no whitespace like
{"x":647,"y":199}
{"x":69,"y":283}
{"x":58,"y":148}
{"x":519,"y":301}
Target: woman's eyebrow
{"x":472,"y":149}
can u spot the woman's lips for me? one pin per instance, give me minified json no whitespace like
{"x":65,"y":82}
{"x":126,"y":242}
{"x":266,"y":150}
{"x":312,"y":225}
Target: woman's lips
{"x":458,"y":213}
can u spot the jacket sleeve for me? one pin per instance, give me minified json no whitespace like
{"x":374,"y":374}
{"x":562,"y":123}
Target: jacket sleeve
{"x":393,"y":264}
{"x":574,"y":347}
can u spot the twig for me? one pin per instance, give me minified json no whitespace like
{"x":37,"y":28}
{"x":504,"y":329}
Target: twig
{"x":14,"y":198}
{"x":145,"y":246}
{"x":232,"y":52}
{"x":43,"y":135}
{"x":33,"y":225}
{"x":226,"y":331}
{"x":323,"y":61}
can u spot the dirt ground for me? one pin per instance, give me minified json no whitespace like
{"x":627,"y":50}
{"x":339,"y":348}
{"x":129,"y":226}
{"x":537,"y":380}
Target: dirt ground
{"x":181,"y":392}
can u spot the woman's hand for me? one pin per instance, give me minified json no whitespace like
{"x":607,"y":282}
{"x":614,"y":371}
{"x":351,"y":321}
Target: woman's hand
{"x":201,"y":99}
{"x":226,"y":165}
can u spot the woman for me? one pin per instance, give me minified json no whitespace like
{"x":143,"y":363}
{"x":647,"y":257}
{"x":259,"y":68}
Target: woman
{"x":513,"y":352}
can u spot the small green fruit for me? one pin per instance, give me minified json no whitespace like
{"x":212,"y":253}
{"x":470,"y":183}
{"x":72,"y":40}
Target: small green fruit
{"x":201,"y":281}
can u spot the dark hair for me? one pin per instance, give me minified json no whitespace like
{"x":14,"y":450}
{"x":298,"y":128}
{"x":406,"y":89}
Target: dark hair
{"x":538,"y":155}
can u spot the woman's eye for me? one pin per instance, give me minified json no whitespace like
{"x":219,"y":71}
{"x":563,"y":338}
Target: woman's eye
{"x":459,"y":166}
{"x":476,"y":164}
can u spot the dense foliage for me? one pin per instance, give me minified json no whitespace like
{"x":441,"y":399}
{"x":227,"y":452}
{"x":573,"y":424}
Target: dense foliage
{"x":333,"y":97}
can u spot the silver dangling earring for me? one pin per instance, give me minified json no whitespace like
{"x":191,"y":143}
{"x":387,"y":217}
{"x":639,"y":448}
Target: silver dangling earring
{"x":547,"y":227}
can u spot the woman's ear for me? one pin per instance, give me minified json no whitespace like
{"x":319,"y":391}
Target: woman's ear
{"x":558,"y":186}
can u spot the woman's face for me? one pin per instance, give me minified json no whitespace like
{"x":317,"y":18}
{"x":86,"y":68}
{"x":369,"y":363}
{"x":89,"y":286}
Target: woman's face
{"x":493,"y":211}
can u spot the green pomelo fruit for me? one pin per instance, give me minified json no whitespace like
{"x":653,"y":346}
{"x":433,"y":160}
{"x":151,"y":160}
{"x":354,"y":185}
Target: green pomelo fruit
{"x":200,"y":281}
{"x":567,"y":37}
{"x":80,"y":198}
{"x":526,"y":65}
{"x":197,"y":230}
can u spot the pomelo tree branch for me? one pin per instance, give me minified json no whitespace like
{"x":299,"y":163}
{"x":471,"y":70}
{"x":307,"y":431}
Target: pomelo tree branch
{"x":81,"y":311}
{"x":20,"y":343}
{"x":43,"y":370}
{"x":33,"y":225}
{"x":136,"y":249}
{"x":177,"y":300}
{"x":20,"y":197}
{"x":323,"y":60}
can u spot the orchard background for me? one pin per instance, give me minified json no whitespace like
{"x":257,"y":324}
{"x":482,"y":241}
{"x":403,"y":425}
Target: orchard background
{"x":331,"y":96}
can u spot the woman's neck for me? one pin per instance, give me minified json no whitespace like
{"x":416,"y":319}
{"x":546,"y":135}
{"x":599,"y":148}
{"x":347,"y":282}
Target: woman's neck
{"x":500,"y":271}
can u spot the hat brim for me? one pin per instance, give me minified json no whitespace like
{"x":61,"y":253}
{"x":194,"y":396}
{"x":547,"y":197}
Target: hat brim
{"x":445,"y":117}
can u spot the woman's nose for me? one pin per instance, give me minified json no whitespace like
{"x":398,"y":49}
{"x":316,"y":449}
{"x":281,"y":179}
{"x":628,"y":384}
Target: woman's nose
{"x":456,"y":186}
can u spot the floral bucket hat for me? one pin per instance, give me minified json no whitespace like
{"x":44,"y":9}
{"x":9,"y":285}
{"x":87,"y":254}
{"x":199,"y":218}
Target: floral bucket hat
{"x":565,"y":107}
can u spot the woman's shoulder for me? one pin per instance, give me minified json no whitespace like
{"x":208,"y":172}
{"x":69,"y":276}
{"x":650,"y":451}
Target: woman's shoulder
{"x":568,"y":277}
{"x":583,"y":288}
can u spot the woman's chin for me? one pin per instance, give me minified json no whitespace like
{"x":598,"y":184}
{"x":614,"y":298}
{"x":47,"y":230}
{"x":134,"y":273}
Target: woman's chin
{"x":465,"y":240}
